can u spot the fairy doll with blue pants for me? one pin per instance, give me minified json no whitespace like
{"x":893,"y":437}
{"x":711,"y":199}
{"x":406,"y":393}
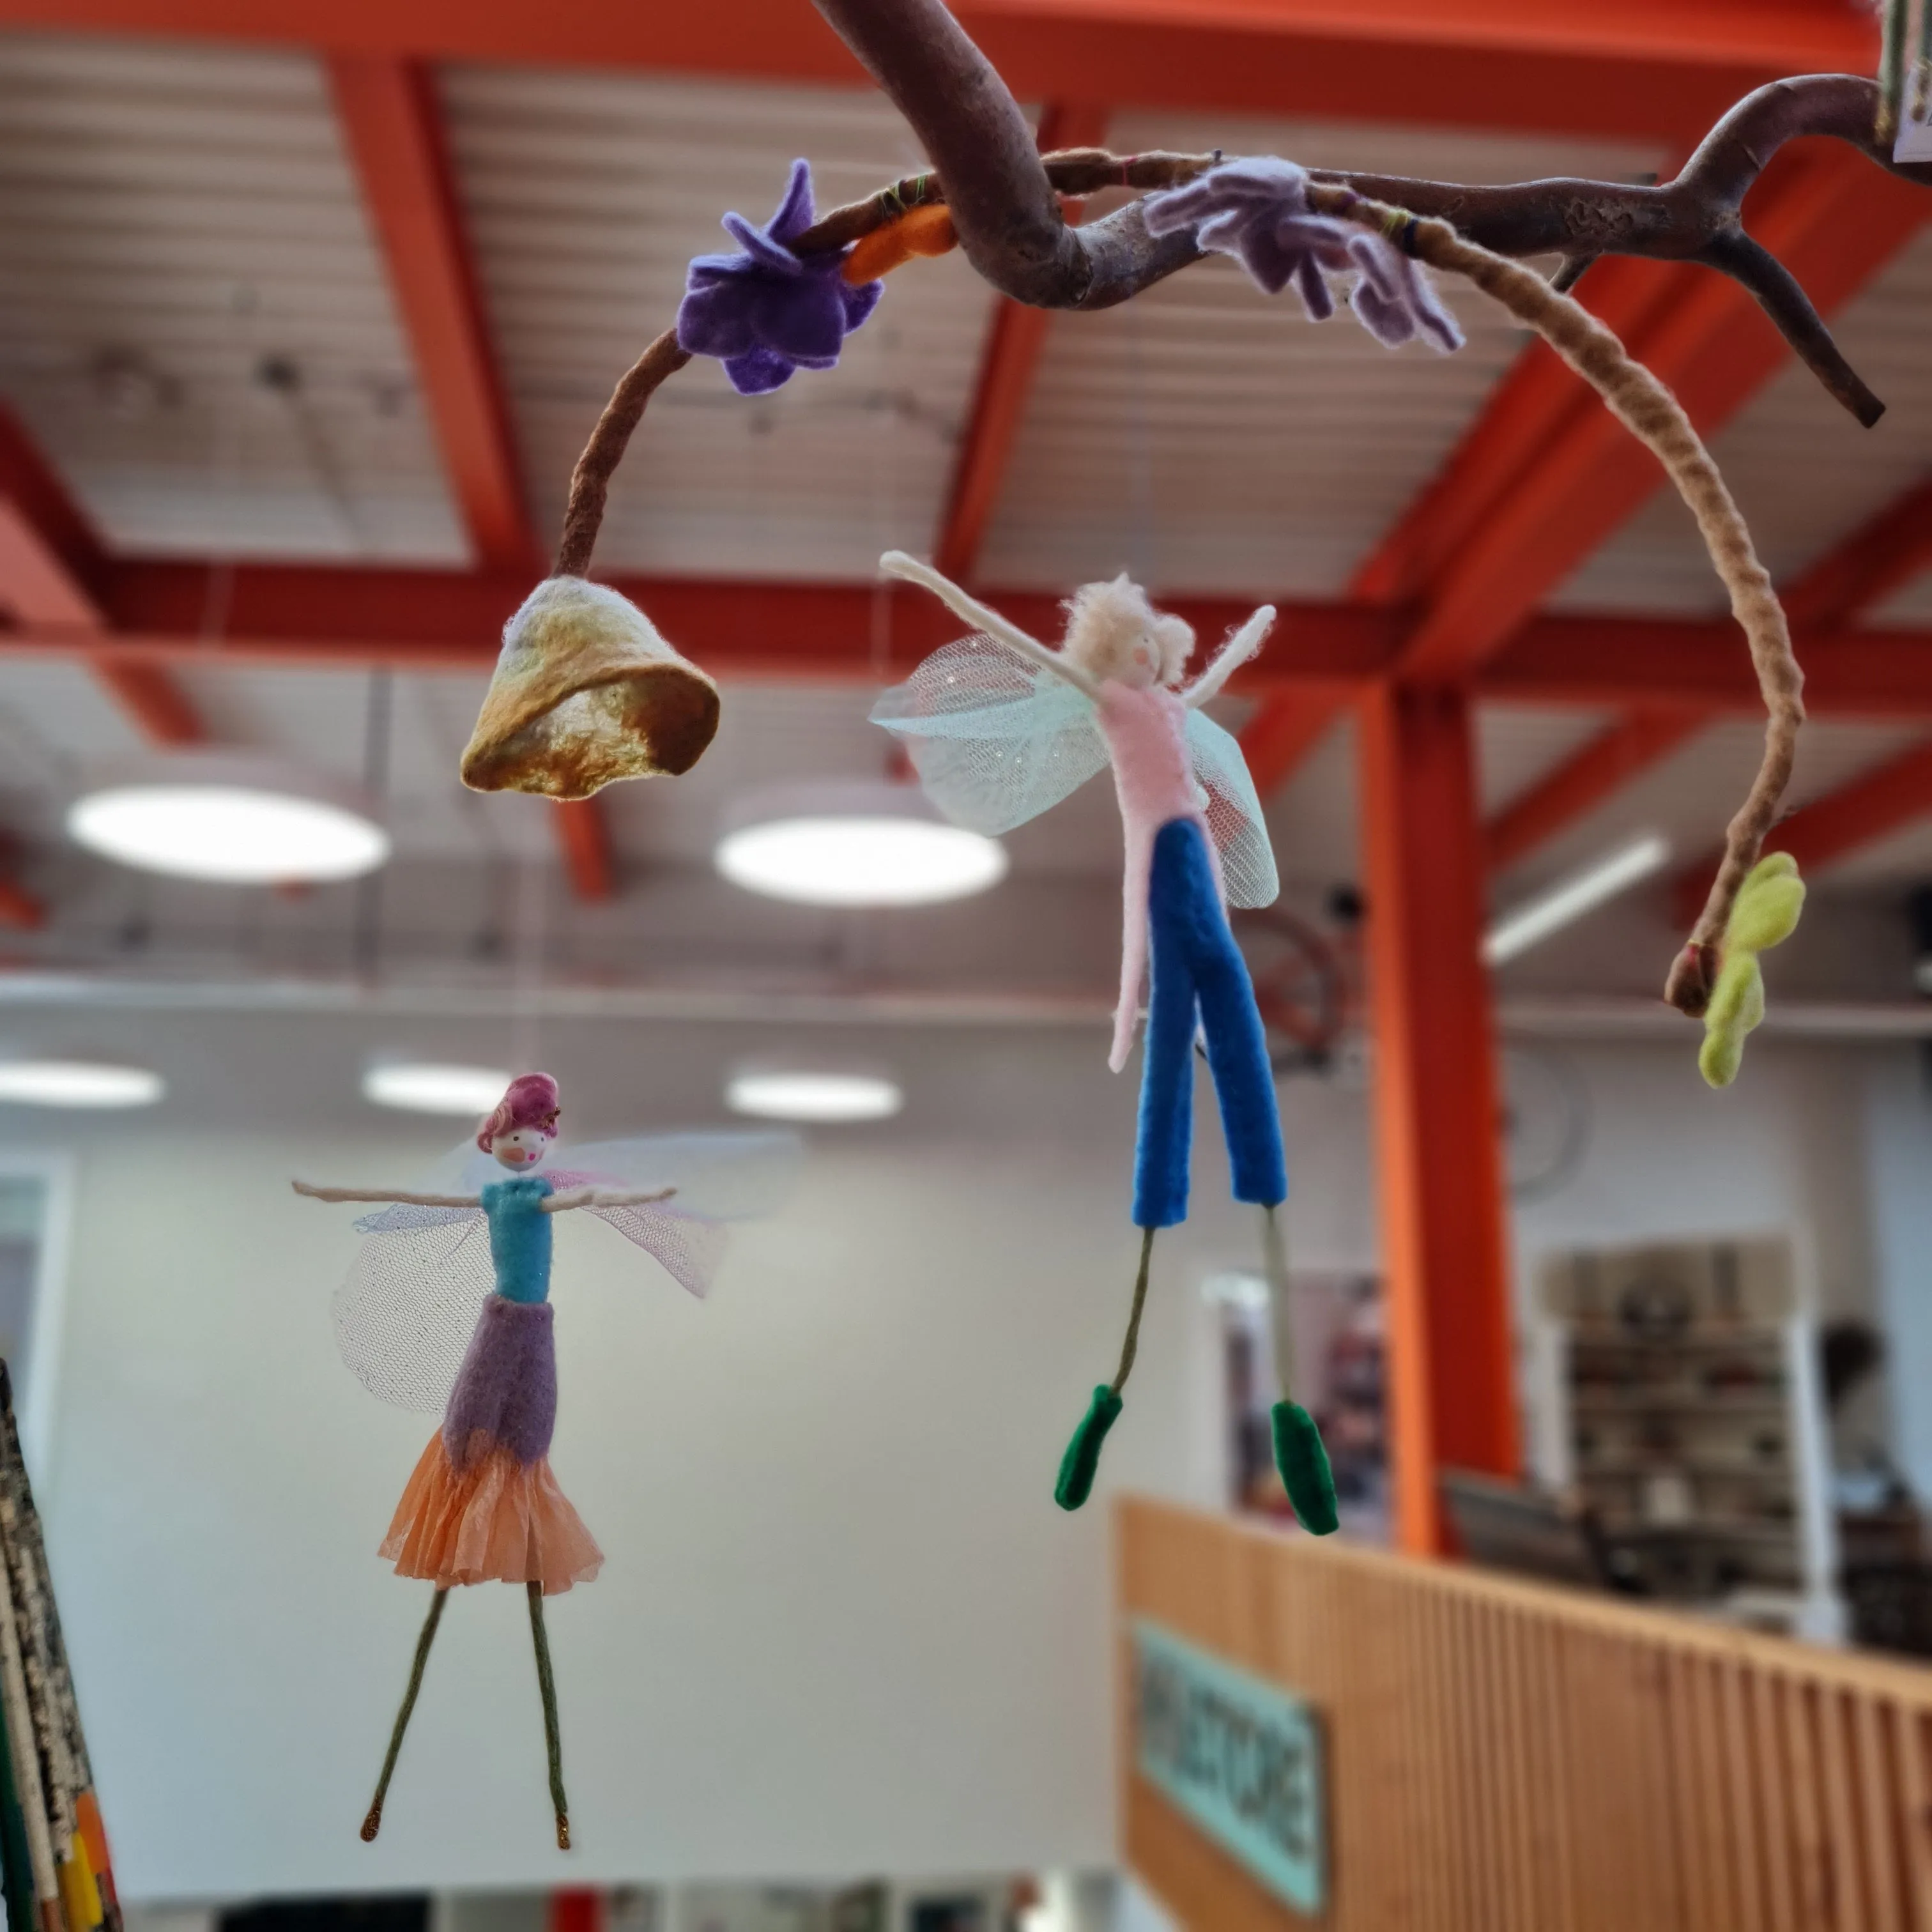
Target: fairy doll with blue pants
{"x":1000,"y":727}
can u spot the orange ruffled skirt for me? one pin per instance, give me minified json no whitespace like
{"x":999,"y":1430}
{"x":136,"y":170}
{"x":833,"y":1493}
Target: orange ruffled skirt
{"x":495,"y":1520}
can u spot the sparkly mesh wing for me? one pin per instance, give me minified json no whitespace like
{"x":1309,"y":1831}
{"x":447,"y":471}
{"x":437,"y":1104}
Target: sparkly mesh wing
{"x":404,"y":1315}
{"x":995,"y":740}
{"x":1234,"y":820}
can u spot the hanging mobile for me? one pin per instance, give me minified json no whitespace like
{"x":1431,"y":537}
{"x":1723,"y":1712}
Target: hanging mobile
{"x":431,"y":1318}
{"x":1000,"y":727}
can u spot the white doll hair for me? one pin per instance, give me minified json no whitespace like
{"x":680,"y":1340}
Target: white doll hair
{"x":1105,"y":622}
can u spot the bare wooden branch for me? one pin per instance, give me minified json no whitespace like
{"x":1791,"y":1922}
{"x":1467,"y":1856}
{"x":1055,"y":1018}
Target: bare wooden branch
{"x":1010,"y":224}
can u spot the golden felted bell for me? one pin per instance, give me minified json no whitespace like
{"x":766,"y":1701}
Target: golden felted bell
{"x":586,"y":692}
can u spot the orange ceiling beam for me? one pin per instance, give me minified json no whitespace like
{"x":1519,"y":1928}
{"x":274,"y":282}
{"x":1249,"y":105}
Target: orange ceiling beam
{"x":1451,"y":1352}
{"x":1833,"y":220}
{"x":433,"y":620}
{"x":1641,"y":67}
{"x":1882,"y":557}
{"x":393,"y":123}
{"x":1872,"y":806}
{"x":1285,"y":728}
{"x":51,"y":568}
{"x":390,"y":119}
{"x":1014,"y":343}
{"x":1608,"y":763}
{"x":583,"y":836}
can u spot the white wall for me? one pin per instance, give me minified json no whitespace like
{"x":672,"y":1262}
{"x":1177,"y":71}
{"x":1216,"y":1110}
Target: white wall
{"x":842,"y":1627}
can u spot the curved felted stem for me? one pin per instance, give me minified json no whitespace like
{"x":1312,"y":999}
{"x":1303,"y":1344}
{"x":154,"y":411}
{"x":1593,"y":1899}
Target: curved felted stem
{"x":590,"y":481}
{"x":1646,"y":407}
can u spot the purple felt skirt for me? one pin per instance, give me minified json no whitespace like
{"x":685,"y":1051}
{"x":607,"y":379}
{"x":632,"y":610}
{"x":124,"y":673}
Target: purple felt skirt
{"x":481,"y":1505}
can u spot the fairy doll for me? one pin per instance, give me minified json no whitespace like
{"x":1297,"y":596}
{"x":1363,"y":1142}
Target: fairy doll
{"x":432,"y":1317}
{"x":1000,"y":727}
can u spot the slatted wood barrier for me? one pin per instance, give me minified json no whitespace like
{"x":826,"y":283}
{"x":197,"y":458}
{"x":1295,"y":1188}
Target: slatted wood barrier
{"x":1504,"y":1756}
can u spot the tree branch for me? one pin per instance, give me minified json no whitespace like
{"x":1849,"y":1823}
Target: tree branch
{"x":1004,"y":203}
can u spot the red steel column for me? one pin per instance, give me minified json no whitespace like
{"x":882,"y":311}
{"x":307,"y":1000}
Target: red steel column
{"x":1452,"y":1387}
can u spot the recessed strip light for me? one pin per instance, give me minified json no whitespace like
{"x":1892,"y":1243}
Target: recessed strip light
{"x":435,"y":1087}
{"x":1532,"y":923}
{"x":77,"y":1083}
{"x":780,"y":1094}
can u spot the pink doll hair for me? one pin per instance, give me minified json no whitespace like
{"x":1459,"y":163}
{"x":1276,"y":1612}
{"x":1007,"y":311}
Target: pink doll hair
{"x":531,"y":1100}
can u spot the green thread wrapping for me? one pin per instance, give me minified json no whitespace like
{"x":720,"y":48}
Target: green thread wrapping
{"x":1081,"y":1462}
{"x":553,"y":1738}
{"x":1302,"y":1463}
{"x":373,"y":1823}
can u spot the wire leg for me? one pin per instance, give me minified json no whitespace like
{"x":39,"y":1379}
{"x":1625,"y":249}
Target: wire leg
{"x":1132,"y":1344}
{"x":373,"y":1823}
{"x":553,"y":1737}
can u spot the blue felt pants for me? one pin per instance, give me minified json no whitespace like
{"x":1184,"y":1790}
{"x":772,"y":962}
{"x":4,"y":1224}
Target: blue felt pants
{"x":1199,"y":976}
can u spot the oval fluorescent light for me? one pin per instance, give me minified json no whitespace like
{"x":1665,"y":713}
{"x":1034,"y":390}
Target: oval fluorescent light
{"x":435,"y":1087}
{"x":77,"y":1083}
{"x":855,"y":845}
{"x":782,"y":1093}
{"x":230,"y":820}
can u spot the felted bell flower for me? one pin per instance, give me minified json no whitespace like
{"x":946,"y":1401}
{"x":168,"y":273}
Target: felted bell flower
{"x":1257,"y":210}
{"x":767,"y":310}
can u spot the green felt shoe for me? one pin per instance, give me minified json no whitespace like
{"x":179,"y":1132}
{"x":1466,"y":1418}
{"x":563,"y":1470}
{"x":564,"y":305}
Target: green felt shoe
{"x":1304,"y":1464}
{"x":1082,"y":1460}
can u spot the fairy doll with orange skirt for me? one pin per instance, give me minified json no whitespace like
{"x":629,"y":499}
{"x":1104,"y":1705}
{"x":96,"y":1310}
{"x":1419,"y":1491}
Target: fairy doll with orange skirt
{"x":431,"y":1317}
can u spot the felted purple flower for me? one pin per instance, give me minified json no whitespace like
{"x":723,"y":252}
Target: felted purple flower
{"x":1257,"y":210}
{"x":767,"y":311}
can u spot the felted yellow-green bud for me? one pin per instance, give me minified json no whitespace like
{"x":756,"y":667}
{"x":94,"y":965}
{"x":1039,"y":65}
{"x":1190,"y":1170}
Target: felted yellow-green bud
{"x":1765,"y":913}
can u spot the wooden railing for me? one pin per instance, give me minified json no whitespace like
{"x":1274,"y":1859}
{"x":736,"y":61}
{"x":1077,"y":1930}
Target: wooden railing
{"x":1503,"y":1756}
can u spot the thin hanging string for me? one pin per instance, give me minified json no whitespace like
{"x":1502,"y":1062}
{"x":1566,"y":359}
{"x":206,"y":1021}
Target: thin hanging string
{"x":376,"y":742}
{"x":1140,"y":456}
{"x":531,"y":886}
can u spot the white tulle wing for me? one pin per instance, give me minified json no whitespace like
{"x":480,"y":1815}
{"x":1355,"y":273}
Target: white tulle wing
{"x":1234,"y":819}
{"x":405,"y":1312}
{"x":995,"y":740}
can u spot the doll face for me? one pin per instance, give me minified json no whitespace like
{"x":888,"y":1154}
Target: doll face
{"x":521,"y":1146}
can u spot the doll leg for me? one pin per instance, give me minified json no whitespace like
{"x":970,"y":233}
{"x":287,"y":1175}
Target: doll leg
{"x":1166,"y":1129}
{"x":553,"y":1736}
{"x":373,"y":1823}
{"x":1160,"y":1147}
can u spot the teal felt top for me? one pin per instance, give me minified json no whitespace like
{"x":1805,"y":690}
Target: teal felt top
{"x":520,"y":1235}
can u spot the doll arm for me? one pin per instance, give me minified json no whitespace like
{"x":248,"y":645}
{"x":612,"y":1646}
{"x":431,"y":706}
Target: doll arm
{"x":896,"y":563}
{"x":1235,"y":652}
{"x":603,"y":1197}
{"x":386,"y":1194}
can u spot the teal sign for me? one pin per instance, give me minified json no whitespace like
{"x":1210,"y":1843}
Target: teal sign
{"x":1240,"y":1756}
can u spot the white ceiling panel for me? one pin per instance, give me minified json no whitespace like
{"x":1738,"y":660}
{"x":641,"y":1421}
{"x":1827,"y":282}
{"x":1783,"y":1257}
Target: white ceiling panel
{"x":194,"y":322}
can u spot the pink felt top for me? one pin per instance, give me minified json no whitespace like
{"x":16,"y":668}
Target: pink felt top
{"x":1146,"y":730}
